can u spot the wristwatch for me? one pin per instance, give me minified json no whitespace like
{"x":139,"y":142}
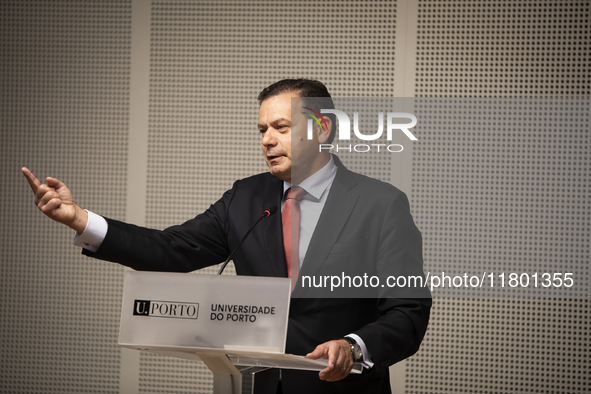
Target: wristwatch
{"x":355,"y":349}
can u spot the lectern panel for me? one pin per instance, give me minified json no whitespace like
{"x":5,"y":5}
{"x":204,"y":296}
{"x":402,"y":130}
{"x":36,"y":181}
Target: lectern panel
{"x":204,"y":311}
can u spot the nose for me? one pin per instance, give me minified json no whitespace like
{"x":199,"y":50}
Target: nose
{"x":269,"y":137}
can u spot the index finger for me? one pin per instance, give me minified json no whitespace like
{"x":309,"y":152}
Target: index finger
{"x":33,"y":182}
{"x":333,"y":353}
{"x":331,"y":371}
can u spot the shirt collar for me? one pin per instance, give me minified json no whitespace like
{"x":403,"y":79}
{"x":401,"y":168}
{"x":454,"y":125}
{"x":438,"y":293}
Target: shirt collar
{"x":316,"y":184}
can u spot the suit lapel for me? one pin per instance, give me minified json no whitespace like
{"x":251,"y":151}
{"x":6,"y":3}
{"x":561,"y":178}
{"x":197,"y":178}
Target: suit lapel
{"x":273,"y":236}
{"x":339,"y":204}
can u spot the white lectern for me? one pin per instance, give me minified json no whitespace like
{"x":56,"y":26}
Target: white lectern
{"x":236,"y":325}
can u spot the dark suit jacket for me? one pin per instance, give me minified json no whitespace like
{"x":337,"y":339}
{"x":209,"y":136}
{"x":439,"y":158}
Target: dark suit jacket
{"x":365,"y":226}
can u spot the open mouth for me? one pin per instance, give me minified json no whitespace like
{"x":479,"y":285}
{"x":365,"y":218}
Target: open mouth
{"x":273,"y":157}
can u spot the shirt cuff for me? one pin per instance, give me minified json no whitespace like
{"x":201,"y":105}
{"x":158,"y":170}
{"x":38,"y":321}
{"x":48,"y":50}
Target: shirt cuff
{"x":93,"y":235}
{"x":366,"y":362}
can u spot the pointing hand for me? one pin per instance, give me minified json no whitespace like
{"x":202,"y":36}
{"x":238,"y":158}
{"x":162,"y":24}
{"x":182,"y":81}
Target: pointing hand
{"x":55,"y":200}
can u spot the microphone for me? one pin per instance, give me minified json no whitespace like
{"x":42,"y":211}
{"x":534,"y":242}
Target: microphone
{"x":266,"y":213}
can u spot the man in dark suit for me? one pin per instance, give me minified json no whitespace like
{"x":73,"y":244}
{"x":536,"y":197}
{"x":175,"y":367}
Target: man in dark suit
{"x":349,"y":224}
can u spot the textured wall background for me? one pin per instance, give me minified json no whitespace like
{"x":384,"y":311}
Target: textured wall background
{"x":64,"y":110}
{"x":494,"y":197}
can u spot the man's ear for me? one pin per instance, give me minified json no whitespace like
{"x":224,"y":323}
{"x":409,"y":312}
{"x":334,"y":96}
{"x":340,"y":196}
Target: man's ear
{"x":324,"y":134}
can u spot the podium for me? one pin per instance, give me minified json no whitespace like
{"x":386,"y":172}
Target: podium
{"x":235,"y":325}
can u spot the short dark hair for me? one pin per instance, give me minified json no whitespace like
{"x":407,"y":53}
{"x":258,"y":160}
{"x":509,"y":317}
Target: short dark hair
{"x":313,"y":93}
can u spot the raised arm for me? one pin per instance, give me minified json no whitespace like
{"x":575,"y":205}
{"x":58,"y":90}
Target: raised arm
{"x":55,"y":200}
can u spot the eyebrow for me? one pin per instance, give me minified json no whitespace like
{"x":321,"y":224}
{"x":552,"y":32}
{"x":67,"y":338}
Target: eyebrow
{"x":274,"y":122}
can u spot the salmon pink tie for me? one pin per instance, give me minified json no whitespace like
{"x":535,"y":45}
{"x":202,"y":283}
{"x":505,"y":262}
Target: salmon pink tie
{"x":290,"y":219}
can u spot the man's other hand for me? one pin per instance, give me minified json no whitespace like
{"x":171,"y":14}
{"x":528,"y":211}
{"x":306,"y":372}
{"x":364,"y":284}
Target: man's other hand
{"x":340,"y":359}
{"x":55,"y":200}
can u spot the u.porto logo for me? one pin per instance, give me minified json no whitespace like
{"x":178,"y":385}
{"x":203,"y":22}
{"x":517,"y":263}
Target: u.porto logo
{"x":171,"y":309}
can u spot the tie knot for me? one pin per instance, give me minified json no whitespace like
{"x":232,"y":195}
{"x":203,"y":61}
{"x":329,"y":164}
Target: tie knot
{"x":296,"y":193}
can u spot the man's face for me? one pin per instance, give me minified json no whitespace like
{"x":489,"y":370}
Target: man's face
{"x":278,"y":129}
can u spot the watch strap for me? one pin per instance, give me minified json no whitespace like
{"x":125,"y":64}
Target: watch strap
{"x":355,"y":348}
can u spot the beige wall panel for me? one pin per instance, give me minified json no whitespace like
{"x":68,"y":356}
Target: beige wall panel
{"x":64,"y":112}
